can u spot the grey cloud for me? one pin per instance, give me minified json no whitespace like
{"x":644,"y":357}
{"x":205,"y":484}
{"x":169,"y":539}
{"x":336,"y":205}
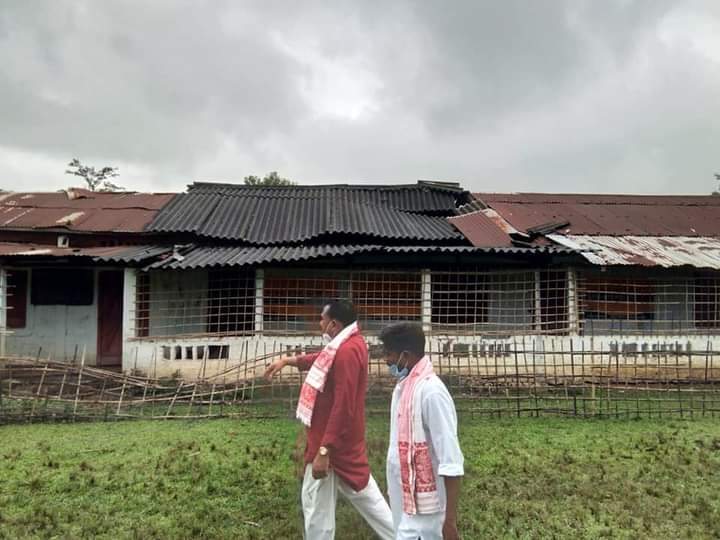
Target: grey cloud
{"x":568,"y":95}
{"x":145,"y":82}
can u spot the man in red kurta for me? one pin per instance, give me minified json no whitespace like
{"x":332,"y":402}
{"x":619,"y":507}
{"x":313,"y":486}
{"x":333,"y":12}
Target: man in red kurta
{"x":335,"y":455}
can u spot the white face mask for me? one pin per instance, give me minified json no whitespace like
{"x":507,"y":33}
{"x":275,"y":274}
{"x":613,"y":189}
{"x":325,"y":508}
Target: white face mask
{"x":326,"y":337}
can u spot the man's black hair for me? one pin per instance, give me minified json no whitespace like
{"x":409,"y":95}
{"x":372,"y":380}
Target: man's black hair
{"x":342,"y":311}
{"x":403,"y":336}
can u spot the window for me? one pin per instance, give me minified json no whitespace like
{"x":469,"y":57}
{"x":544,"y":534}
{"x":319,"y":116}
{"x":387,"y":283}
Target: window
{"x":69,"y":287}
{"x":17,"y":283}
{"x":624,"y":305}
{"x":707,"y":306}
{"x":199,"y":352}
{"x":142,"y":305}
{"x":194,"y":302}
{"x":459,"y":299}
{"x":231,"y":302}
{"x":293,"y":298}
{"x":488,"y":303}
{"x":381,"y":297}
{"x":553,"y":301}
{"x":619,"y":298}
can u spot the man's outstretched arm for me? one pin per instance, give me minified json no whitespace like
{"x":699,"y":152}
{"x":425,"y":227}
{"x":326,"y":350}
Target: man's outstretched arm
{"x":302,"y":362}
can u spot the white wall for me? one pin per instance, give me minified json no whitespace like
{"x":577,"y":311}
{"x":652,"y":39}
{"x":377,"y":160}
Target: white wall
{"x":450,"y":354}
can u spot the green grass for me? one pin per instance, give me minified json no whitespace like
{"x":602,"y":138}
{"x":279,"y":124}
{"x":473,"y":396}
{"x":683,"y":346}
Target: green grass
{"x":526,"y":478}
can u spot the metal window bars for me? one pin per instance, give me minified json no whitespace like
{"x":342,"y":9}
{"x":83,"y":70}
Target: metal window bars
{"x":466,"y":302}
{"x":463,"y":302}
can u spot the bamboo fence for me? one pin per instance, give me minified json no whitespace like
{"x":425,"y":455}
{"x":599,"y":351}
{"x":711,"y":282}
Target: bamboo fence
{"x":516,"y":379}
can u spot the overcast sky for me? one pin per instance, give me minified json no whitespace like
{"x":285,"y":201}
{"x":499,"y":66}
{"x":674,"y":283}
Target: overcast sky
{"x":504,"y":95}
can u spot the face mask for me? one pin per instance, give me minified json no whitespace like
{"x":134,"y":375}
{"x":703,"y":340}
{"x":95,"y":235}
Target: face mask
{"x":397,"y":372}
{"x":326,"y":337}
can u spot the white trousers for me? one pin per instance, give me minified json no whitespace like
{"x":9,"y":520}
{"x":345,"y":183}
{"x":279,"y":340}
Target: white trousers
{"x":319,"y":498}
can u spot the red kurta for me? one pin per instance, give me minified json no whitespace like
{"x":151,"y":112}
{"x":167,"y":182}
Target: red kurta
{"x":338,"y":420}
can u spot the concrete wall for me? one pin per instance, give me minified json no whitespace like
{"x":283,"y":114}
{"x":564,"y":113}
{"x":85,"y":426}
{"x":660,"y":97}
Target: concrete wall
{"x":564,"y":356}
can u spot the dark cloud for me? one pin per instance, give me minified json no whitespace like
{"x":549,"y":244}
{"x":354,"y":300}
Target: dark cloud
{"x":560,"y":96}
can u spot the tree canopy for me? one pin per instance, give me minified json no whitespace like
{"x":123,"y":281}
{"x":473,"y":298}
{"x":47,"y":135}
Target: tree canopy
{"x":270,"y":179}
{"x":96,"y":179}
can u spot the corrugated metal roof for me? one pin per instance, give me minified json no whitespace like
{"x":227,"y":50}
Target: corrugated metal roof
{"x":611,"y":215}
{"x":116,"y":254}
{"x":83,"y":198}
{"x":555,"y":250}
{"x":481,"y":230}
{"x":133,"y":254}
{"x":423,"y":197}
{"x":80,"y":210}
{"x":665,"y":251}
{"x":263,"y":216}
{"x":593,"y":198}
{"x":473,"y":206}
{"x":210,"y":256}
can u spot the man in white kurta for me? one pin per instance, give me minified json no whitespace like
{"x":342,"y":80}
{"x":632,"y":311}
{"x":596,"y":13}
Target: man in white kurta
{"x":439,"y":424}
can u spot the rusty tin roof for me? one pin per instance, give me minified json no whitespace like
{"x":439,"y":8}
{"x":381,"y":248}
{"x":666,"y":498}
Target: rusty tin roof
{"x":80,"y":210}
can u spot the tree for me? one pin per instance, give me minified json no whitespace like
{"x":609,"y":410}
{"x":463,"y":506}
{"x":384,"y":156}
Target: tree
{"x":270,"y":179}
{"x":717,"y":179}
{"x":97,"y":180}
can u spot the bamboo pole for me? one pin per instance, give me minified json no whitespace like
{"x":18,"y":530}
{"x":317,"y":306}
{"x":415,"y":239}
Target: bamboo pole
{"x":39,"y":389}
{"x":212,"y":397}
{"x":167,"y":414}
{"x":77,"y":390}
{"x":62,"y":385}
{"x":192,"y":398}
{"x":122,"y":395}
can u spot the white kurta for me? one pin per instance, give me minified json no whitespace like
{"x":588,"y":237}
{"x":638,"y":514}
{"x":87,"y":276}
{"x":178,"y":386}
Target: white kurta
{"x":440,"y":424}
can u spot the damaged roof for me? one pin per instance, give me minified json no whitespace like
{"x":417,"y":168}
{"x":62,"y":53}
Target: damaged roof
{"x":482,"y":230}
{"x":609,"y":215}
{"x":262,"y":215}
{"x":616,"y":230}
{"x":425,"y":197}
{"x":663,"y":251}
{"x":192,"y":257}
{"x":80,"y":210}
{"x":111,"y":254}
{"x":198,"y":256}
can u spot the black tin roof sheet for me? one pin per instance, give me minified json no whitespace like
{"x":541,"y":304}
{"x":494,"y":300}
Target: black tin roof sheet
{"x":282,"y":215}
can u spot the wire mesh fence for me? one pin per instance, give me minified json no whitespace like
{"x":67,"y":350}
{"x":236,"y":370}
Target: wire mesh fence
{"x":288,"y":301}
{"x":648,"y":303}
{"x":454,"y":301}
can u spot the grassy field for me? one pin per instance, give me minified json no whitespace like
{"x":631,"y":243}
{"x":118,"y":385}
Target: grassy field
{"x":526,"y":478}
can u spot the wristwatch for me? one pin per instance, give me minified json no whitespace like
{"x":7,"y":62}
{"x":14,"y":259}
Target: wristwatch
{"x":323,"y":451}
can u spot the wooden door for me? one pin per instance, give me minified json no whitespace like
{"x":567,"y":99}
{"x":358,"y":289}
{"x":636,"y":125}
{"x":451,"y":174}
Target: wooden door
{"x":110,"y":317}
